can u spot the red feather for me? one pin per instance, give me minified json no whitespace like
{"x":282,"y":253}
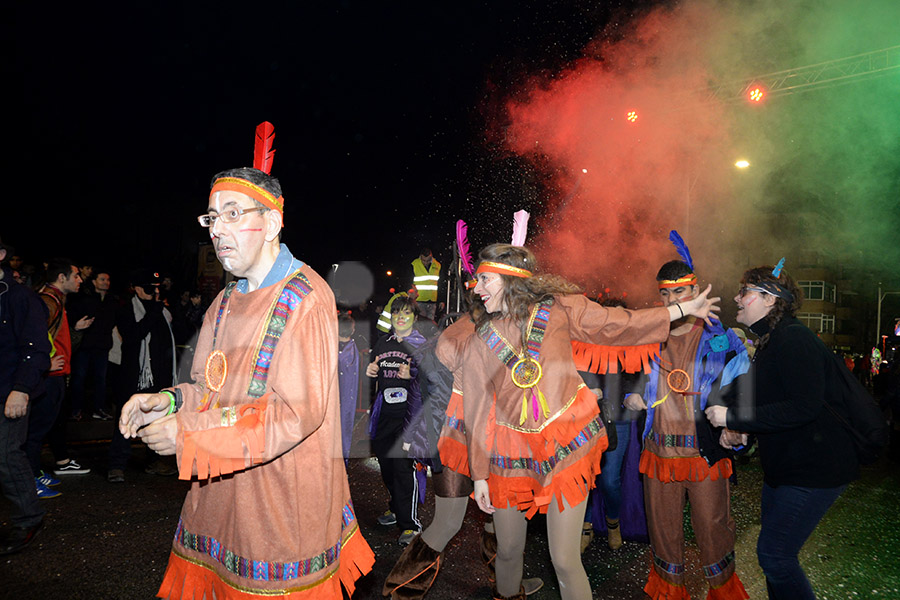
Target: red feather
{"x":263,"y":152}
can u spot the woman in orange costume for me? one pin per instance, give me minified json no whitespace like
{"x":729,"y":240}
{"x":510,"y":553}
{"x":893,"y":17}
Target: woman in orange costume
{"x":533,"y":430}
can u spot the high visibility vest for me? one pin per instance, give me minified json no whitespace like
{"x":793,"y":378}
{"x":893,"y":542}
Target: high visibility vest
{"x":426,"y":280}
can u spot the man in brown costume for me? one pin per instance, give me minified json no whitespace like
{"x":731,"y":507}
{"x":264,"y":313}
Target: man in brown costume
{"x":258,"y":433}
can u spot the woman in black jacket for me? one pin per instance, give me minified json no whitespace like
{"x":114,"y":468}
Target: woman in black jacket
{"x":807,"y":456}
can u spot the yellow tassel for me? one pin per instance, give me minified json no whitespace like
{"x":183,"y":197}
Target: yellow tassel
{"x":544,"y":408}
{"x":524,"y":414}
{"x":658,"y":402}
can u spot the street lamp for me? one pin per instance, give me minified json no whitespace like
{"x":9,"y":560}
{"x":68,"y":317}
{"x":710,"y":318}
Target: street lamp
{"x":881,"y":296}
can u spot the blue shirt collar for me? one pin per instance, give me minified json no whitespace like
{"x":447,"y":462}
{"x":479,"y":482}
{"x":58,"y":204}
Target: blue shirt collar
{"x":285,"y":264}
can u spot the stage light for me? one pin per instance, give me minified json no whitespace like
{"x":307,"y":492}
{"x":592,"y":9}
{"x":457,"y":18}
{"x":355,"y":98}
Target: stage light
{"x":742,"y":164}
{"x":389,"y":273}
{"x":756,"y":93}
{"x":631,"y":116}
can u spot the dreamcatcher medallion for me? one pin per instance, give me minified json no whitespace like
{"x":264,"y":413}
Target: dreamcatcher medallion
{"x":526,"y":372}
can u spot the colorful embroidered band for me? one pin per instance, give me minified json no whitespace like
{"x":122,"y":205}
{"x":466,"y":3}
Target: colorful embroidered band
{"x":680,"y":282}
{"x":495,"y":267}
{"x":242,"y":186}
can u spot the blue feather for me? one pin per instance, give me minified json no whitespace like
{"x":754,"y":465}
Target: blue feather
{"x":682,"y":248}
{"x":777,"y":270}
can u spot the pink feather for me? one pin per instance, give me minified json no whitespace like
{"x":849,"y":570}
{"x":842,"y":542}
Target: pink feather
{"x":462,"y":245}
{"x":520,"y":228}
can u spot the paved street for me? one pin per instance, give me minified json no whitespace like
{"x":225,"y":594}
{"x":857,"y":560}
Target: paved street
{"x":105,"y":540}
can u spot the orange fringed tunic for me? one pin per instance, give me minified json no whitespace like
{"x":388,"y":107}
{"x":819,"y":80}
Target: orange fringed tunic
{"x":279,"y":520}
{"x":528,"y":465}
{"x":450,"y":350}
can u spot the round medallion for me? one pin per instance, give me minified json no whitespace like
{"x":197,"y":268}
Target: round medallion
{"x":216,"y":370}
{"x":526,"y":372}
{"x":679,"y":381}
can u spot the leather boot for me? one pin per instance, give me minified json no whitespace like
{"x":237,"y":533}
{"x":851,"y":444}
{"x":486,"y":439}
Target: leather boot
{"x":587,"y":535}
{"x":614,"y":534}
{"x":414,"y":573}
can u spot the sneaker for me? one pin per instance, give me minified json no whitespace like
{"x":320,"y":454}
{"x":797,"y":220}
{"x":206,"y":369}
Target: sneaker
{"x":388,"y":518}
{"x":71,"y":468}
{"x":48,"y":480}
{"x":43,"y":492}
{"x":116,"y":476}
{"x":102,"y":415}
{"x":407,"y":536}
{"x":76,"y":416}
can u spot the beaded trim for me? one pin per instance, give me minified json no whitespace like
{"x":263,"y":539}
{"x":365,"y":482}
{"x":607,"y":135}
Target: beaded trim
{"x":711,"y":571}
{"x":261,"y":570}
{"x":670,"y":568}
{"x":294,"y":291}
{"x":544,"y":467}
{"x":504,"y":351}
{"x":457,"y":424}
{"x":669,"y":440}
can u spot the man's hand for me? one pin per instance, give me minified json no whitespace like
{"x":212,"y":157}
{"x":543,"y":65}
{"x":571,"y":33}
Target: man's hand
{"x":482,"y":496}
{"x":598,"y":392}
{"x":717,"y":415}
{"x":57,"y":362}
{"x":160,"y":435}
{"x":702,"y":306}
{"x":140,"y":410}
{"x":84,"y":322}
{"x":403,"y":371}
{"x":16,"y":405}
{"x":635,"y":402}
{"x":372,"y":370}
{"x":730,"y":439}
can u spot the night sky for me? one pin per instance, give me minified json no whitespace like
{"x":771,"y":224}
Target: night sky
{"x":122,"y":114}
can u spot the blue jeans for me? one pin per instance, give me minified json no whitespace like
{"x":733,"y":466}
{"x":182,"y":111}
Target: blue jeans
{"x":611,"y":471}
{"x":789,"y":516}
{"x":16,"y":476}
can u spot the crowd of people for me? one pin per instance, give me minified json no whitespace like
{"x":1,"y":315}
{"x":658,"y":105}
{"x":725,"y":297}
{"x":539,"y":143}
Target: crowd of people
{"x":533,"y":400}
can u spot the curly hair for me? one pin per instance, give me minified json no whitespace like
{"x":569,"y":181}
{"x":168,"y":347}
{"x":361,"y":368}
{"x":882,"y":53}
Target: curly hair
{"x":522,"y":293}
{"x":782,"y":307}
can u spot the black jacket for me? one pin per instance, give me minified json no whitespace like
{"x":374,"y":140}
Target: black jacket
{"x":24,"y":345}
{"x":800,"y":442}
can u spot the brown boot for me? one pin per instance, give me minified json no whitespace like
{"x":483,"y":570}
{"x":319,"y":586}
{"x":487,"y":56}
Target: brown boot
{"x":497,"y":596}
{"x":587,"y":535}
{"x":614,"y":534}
{"x":489,"y":552}
{"x":415,"y":571}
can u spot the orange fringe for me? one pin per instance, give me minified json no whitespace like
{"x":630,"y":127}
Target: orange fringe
{"x":692,"y":468}
{"x":185,"y":580}
{"x":541,"y":445}
{"x":571,"y":483}
{"x":660,"y":589}
{"x":454,"y":455}
{"x":455,"y":406}
{"x":606,"y":359}
{"x":221,"y":450}
{"x":732,"y":589}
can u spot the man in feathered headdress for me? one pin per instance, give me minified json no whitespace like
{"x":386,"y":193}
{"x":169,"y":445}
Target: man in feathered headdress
{"x":258,"y":434}
{"x":682,"y":456}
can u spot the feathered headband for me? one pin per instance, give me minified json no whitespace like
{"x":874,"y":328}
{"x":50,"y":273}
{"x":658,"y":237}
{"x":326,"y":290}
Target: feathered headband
{"x":520,"y":232}
{"x":775,"y":288}
{"x":685,"y":254}
{"x":263,"y":157}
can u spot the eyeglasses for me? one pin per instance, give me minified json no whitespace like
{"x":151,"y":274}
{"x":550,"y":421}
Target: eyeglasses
{"x":229,"y":216}
{"x":747,"y":289}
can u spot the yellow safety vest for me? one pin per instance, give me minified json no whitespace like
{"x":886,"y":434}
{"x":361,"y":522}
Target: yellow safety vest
{"x":426,"y":280}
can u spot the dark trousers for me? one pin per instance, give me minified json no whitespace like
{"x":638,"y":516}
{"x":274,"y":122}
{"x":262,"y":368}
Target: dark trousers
{"x":16,"y":476}
{"x":398,"y":473}
{"x":41,"y":418}
{"x":789,"y":516}
{"x":88,"y":365}
{"x":610,"y":479}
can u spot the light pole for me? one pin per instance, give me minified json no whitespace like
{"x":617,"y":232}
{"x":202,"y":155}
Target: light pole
{"x":881,"y":296}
